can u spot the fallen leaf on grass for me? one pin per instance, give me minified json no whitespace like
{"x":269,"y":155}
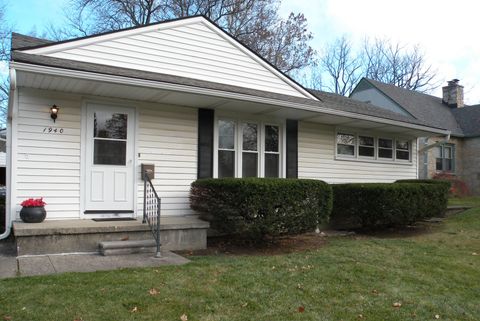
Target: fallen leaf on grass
{"x":135,"y":309}
{"x":7,"y":318}
{"x":437,"y":316}
{"x":244,"y":305}
{"x":301,"y":309}
{"x":153,"y":291}
{"x":475,"y":253}
{"x":78,"y":319}
{"x":360,"y":316}
{"x":183,"y":317}
{"x":397,"y":305}
{"x":374,"y":291}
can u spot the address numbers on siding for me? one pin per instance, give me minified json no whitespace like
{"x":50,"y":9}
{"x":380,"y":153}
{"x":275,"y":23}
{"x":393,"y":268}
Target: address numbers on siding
{"x":52,"y":130}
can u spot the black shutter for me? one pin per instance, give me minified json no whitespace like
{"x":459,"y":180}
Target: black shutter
{"x":205,"y":143}
{"x":292,"y":148}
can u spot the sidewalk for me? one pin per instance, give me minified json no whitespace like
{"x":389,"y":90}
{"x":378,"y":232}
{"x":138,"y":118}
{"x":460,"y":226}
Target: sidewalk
{"x":11,"y":266}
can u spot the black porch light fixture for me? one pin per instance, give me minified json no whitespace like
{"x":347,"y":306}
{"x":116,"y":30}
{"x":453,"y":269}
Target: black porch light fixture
{"x":54,"y":112}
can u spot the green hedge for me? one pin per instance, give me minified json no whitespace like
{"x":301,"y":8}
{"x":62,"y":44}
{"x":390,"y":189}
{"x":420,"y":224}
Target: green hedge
{"x":374,"y":206}
{"x":256,"y":207}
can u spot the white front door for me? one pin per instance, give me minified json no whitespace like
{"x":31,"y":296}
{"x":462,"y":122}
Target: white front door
{"x":109,"y":160}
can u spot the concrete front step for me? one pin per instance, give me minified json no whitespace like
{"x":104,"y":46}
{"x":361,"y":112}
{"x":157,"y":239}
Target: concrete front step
{"x":127,"y":247}
{"x":80,"y":236}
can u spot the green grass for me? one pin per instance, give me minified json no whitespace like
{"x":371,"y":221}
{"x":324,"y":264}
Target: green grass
{"x":430,"y":273}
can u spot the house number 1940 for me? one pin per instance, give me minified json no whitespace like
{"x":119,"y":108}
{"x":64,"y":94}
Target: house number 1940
{"x":53,"y":130}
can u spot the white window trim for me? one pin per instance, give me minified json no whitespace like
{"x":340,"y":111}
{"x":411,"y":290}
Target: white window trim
{"x":374,"y":159}
{"x":261,"y":144}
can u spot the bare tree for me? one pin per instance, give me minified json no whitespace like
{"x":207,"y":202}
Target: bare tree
{"x":343,"y":67}
{"x":381,"y":60}
{"x":283,"y":42}
{"x":398,"y":65}
{"x":5,"y":36}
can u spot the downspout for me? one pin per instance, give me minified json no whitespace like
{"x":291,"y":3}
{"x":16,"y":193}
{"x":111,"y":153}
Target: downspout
{"x":8,"y":198}
{"x":425,"y":148}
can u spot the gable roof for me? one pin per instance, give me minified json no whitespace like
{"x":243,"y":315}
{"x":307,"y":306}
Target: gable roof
{"x":424,"y":107}
{"x":192,"y":47}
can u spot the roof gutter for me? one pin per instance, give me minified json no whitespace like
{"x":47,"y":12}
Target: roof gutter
{"x":216,"y":93}
{"x":8,"y":200}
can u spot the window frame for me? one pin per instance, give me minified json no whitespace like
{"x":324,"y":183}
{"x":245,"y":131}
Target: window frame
{"x":376,"y":158}
{"x":355,"y":144}
{"x":242,"y":150}
{"x":264,"y":151}
{"x":443,"y":158}
{"x":261,"y":123}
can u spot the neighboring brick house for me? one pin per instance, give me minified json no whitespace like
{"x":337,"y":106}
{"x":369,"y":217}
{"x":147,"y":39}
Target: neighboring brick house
{"x":460,"y":154}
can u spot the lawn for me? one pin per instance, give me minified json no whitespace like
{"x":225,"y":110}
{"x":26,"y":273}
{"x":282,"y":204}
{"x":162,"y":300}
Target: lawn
{"x":427,"y":275}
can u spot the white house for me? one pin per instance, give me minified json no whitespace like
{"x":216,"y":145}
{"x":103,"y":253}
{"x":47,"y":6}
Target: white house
{"x":188,"y":98}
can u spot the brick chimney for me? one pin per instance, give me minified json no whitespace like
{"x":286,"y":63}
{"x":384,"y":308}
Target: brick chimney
{"x":453,"y":94}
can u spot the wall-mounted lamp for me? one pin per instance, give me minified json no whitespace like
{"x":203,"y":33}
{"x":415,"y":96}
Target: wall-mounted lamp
{"x":54,"y":112}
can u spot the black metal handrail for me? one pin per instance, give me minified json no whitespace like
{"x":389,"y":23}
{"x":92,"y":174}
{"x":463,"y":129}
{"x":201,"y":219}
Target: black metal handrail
{"x":151,"y":210}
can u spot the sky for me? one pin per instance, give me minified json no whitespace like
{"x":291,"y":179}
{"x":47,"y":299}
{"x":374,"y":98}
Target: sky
{"x":447,"y":31}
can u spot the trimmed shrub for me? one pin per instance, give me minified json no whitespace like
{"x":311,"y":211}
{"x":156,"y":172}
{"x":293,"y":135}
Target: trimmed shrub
{"x":256,"y":207}
{"x":377,"y":205}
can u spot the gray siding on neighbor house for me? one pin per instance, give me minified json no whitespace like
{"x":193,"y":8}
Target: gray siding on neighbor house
{"x":376,"y":98}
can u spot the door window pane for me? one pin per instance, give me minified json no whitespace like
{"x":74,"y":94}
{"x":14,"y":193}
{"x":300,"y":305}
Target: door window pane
{"x":226,"y":134}
{"x":250,"y":137}
{"x":271,"y":138}
{"x":109,"y":152}
{"x":226,"y":163}
{"x":250,"y":164}
{"x":272,"y":165}
{"x":108,"y":125}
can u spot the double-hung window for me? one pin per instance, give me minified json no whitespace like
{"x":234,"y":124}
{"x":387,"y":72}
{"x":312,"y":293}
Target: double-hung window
{"x":402,"y":149}
{"x":272,"y":151}
{"x":366,"y":146}
{"x":346,"y":144}
{"x":248,"y":149}
{"x":385,"y":148}
{"x":226,"y":148}
{"x":444,"y":158}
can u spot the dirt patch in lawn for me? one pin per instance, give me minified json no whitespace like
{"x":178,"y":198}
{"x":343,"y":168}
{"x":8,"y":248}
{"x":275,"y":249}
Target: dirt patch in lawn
{"x":281,"y":245}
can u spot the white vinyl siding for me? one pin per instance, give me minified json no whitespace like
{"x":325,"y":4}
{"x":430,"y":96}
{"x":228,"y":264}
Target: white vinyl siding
{"x":316,"y":159}
{"x":167,"y":137}
{"x":194,"y":50}
{"x":48,"y":165}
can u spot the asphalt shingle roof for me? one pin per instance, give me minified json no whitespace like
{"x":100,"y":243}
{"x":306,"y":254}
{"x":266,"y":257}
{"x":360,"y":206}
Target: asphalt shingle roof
{"x":326,"y":100}
{"x":427,"y":108}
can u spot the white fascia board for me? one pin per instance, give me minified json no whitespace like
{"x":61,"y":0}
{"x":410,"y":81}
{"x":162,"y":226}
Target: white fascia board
{"x":53,"y":71}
